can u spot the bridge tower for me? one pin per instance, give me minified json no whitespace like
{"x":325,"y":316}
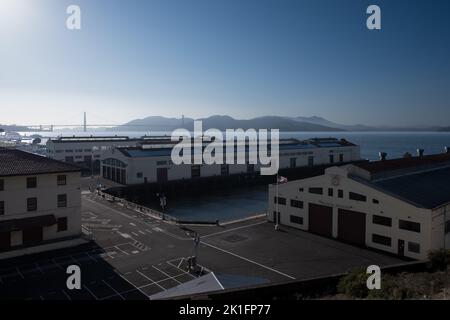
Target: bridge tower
{"x":85,"y":123}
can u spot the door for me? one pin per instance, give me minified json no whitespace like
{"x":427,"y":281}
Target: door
{"x":161,"y":175}
{"x":5,"y":241}
{"x":401,"y":247}
{"x":293,"y":163}
{"x":32,"y":236}
{"x":276,"y":217}
{"x":352,"y":227}
{"x":321,"y":220}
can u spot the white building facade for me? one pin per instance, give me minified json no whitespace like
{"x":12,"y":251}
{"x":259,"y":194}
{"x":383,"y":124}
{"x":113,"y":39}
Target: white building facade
{"x":40,"y":204}
{"x":400,"y":210}
{"x":85,"y":151}
{"x":151,"y":161}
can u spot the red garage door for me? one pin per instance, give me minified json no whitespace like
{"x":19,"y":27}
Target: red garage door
{"x":321,"y":220}
{"x":5,"y":241}
{"x":352,"y":227}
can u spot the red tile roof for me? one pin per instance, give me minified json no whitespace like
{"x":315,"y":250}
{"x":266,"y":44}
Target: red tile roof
{"x":14,"y":162}
{"x":405,"y":163}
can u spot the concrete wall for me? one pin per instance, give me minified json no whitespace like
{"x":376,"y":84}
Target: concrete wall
{"x":148,"y":165}
{"x":388,"y":206}
{"x":15,"y":196}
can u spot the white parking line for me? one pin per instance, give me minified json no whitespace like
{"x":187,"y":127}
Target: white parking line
{"x":122,"y":250}
{"x":233,"y":229}
{"x":57,"y":264}
{"x":67,"y":296}
{"x":153,"y":282}
{"x":18,"y":271}
{"x":142,"y":232}
{"x":95,"y":297}
{"x":184,"y":272}
{"x":87,"y":253}
{"x":135,"y":234}
{"x":117,"y":293}
{"x":123,"y":277}
{"x":248,"y":260}
{"x":168,"y":275}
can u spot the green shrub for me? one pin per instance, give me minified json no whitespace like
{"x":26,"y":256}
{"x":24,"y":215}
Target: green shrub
{"x":439,"y":259}
{"x":354,"y":284}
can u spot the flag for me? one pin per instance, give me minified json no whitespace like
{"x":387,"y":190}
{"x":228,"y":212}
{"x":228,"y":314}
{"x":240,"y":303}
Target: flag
{"x":282,"y":179}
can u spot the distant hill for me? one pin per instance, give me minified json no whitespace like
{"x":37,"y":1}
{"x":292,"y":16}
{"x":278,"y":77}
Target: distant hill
{"x":327,"y":123}
{"x":156,"y":123}
{"x":15,"y":128}
{"x":222,"y":122}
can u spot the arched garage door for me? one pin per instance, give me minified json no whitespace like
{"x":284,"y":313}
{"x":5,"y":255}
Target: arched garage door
{"x":321,"y":220}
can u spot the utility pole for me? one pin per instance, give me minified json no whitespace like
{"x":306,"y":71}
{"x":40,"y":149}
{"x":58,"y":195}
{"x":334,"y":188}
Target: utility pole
{"x":84,"y":123}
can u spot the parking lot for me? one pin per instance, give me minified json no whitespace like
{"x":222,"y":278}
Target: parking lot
{"x":133,"y":256}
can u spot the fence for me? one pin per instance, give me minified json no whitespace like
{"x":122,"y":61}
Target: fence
{"x":136,"y":207}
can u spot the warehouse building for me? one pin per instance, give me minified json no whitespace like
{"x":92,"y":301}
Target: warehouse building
{"x":151,"y":161}
{"x":85,"y":151}
{"x":400,"y":206}
{"x":40,"y":204}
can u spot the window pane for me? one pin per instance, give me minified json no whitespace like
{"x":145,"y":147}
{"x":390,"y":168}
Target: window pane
{"x":409,"y":225}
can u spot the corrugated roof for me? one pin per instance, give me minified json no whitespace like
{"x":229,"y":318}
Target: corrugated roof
{"x":428,"y":189}
{"x":14,"y":162}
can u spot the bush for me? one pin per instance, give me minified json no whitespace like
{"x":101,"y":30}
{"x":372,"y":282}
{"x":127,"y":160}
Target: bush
{"x":354,"y":284}
{"x":409,"y":286}
{"x":439,"y":259}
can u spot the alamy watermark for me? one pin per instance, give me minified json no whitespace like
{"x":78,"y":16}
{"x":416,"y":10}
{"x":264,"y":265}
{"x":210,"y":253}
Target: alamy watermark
{"x":241,"y":147}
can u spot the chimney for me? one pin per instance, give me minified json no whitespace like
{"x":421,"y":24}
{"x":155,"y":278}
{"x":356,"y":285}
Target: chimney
{"x":447,"y":149}
{"x":420,"y":152}
{"x":382,"y":155}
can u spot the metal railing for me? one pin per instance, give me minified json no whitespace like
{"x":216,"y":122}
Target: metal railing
{"x":136,"y":207}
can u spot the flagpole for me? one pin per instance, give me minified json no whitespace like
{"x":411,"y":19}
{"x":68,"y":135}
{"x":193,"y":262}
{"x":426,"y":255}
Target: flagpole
{"x":276,"y":204}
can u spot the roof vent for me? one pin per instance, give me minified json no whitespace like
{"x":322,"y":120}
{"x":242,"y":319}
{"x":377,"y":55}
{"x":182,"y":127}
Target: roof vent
{"x":420,"y":152}
{"x":382,"y":155}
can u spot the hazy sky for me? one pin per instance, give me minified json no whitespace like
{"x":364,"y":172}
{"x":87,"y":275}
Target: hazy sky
{"x":244,"y":58}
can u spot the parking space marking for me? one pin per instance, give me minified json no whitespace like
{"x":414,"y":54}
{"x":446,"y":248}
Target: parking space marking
{"x":184,"y":272}
{"x":57,"y":264}
{"x":93,"y":259}
{"x":166,"y":274}
{"x":117,"y":247}
{"x":117,"y":293}
{"x":248,"y":260}
{"x":123,"y":277}
{"x":90,"y":292}
{"x":67,"y":296}
{"x":20,"y":273}
{"x":153,"y":282}
{"x":233,"y":229}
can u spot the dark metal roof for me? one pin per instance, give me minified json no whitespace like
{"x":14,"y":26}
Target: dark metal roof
{"x":429,"y":189}
{"x":15,"y":162}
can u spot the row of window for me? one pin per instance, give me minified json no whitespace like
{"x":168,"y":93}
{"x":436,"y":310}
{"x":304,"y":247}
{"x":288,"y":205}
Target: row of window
{"x":402,"y":224}
{"x":351,"y":195}
{"x":293,"y":203}
{"x":32,"y":203}
{"x":61,"y":180}
{"x":387,"y":241}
